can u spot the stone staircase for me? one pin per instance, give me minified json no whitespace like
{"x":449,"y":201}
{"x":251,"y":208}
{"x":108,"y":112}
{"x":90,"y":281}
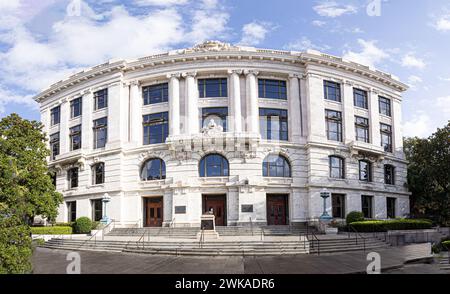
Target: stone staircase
{"x":178,"y":233}
{"x":331,"y":246}
{"x":444,"y":262}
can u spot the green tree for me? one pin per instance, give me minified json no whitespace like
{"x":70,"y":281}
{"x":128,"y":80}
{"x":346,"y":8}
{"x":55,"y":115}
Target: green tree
{"x":26,"y":189}
{"x":429,"y":175}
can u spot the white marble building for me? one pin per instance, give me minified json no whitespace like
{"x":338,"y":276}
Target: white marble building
{"x":250,"y":133}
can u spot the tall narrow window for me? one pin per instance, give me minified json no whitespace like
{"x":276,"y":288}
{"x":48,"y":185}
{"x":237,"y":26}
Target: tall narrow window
{"x":97,"y":210}
{"x":75,"y":138}
{"x":98,"y":173}
{"x":101,"y":99}
{"x":153,"y":169}
{"x":385,"y":106}
{"x":276,"y":166}
{"x":72,"y":177}
{"x":156,"y":128}
{"x":334,"y":125}
{"x":332,"y":91}
{"x":338,"y":205}
{"x":273,"y":124}
{"x":100,"y":130}
{"x":337,"y":167}
{"x":389,"y":174}
{"x":367,"y":206}
{"x":214,"y":165}
{"x":156,"y":93}
{"x":54,"y":145}
{"x":362,"y":129}
{"x":272,"y":89}
{"x":386,"y":137}
{"x":75,"y":107}
{"x":71,"y":211}
{"x":55,"y":115}
{"x":212,"y":88}
{"x":216,"y":114}
{"x":390,"y":207}
{"x":365,"y":171}
{"x":360,"y":98}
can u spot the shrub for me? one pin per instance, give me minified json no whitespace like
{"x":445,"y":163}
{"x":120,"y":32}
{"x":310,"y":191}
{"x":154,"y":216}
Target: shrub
{"x":63,"y":224}
{"x":354,"y":216}
{"x":95,"y":225}
{"x":446,"y":245}
{"x":83,"y":225}
{"x":398,"y":224}
{"x":51,"y":230}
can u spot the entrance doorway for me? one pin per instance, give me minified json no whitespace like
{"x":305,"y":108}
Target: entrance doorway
{"x":216,"y":204}
{"x":277,"y":209}
{"x":153,"y":212}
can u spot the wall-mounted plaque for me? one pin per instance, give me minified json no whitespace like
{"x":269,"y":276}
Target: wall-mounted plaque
{"x":180,"y":209}
{"x":247,"y":208}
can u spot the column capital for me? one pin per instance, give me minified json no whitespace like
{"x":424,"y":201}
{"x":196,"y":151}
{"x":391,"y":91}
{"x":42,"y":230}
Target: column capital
{"x":251,"y":72}
{"x":191,"y":74}
{"x":348,"y":83}
{"x":294,"y":76}
{"x":86,"y":92}
{"x":131,"y":83}
{"x":235,"y":71}
{"x":176,"y":75}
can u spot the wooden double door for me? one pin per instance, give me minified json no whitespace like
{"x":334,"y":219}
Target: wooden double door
{"x":277,"y":209}
{"x":153,"y":212}
{"x":217,"y":205}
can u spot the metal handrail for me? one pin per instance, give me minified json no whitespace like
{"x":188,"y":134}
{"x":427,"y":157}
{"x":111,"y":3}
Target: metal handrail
{"x":95,"y":236}
{"x":143,"y":240}
{"x":356,"y":235}
{"x":251,"y":224}
{"x":262,"y":234}
{"x":171,"y":225}
{"x":111,"y":226}
{"x":317,"y":240}
{"x":202,"y":238}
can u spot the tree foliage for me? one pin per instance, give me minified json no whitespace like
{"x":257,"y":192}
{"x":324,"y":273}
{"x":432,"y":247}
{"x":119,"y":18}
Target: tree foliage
{"x":429,"y":175}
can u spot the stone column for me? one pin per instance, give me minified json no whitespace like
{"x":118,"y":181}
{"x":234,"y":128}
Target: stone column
{"x":235,"y":101}
{"x":86,"y":128}
{"x":64,"y":127}
{"x":135,"y":127}
{"x":252,"y":101}
{"x":294,"y":114}
{"x":174,"y":103}
{"x":192,"y":114}
{"x":348,"y":113}
{"x":374,"y":112}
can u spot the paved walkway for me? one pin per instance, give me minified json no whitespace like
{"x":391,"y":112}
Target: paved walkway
{"x":48,"y":261}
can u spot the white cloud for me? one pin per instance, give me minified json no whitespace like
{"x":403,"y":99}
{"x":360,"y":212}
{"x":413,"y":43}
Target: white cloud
{"x":254,"y":33}
{"x":7,"y":96}
{"x":333,"y":9}
{"x":411,"y":61}
{"x":160,"y":2}
{"x":442,"y":23}
{"x":413,"y":81}
{"x":370,"y":54}
{"x":419,"y":125}
{"x":318,"y":23}
{"x":304,"y":44}
{"x":443,"y":103}
{"x":444,"y":79}
{"x":209,"y":20}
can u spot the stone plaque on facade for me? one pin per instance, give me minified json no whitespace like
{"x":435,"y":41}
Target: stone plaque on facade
{"x":180,"y":209}
{"x":247,"y":208}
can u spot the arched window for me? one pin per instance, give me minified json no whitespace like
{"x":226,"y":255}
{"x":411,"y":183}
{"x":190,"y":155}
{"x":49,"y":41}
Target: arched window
{"x":153,"y":169}
{"x":276,"y":166}
{"x":213,"y":165}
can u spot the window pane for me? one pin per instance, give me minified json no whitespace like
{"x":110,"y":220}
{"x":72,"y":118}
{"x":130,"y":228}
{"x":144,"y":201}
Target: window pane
{"x":272,"y":89}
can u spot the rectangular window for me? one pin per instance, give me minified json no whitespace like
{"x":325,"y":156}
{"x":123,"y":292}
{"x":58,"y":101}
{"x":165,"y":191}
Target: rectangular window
{"x":337,"y":167}
{"x":54,"y":145}
{"x":101,"y":99}
{"x":272,"y":89}
{"x":218,"y":115}
{"x":100,"y":130}
{"x":360,"y":98}
{"x":156,"y":128}
{"x":367,"y":206}
{"x":55,"y":115}
{"x":71,"y":211}
{"x":72,"y":177}
{"x":332,"y":91}
{"x":75,"y":138}
{"x":386,"y":137}
{"x":212,"y":88}
{"x":98,"y":173}
{"x":362,"y":129}
{"x":338,"y":205}
{"x":385,"y":106}
{"x":390,"y":207}
{"x":273,"y":124}
{"x":156,"y":94}
{"x":389,"y":175}
{"x":75,"y":107}
{"x":333,"y":121}
{"x":97,"y":210}
{"x":365,"y":171}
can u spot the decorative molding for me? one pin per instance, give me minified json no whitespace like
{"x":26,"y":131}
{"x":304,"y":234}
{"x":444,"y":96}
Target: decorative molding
{"x":248,"y":72}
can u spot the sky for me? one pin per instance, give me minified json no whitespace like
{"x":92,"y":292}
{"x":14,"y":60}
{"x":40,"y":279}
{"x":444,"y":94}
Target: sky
{"x":44,"y":41}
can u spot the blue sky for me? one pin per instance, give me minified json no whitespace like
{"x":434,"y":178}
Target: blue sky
{"x":42,"y":42}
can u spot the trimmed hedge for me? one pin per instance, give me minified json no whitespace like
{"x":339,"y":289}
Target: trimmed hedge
{"x":51,"y":230}
{"x":446,"y":244}
{"x":389,"y":225}
{"x":83,"y":225}
{"x":354,"y":216}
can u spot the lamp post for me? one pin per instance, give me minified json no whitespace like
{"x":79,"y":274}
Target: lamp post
{"x":325,"y":194}
{"x":106,"y":198}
